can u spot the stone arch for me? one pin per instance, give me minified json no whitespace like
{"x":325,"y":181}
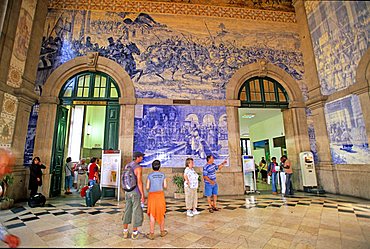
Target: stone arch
{"x":91,"y":62}
{"x":263,"y":68}
{"x":363,"y":70}
{"x":49,"y":101}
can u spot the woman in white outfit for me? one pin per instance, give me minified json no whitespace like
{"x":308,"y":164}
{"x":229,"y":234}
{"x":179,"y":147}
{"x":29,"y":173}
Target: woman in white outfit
{"x":191,"y":187}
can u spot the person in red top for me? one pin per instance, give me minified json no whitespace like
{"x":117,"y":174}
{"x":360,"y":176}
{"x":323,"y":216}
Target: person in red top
{"x":93,"y":172}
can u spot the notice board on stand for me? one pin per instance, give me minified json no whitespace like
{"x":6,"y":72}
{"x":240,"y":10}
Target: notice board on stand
{"x":111,"y":169}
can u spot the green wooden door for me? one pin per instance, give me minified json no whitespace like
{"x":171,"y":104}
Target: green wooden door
{"x":111,"y":127}
{"x":56,"y":167}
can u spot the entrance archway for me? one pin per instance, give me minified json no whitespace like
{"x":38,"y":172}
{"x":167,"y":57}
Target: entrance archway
{"x":49,"y":101}
{"x":293,"y":109}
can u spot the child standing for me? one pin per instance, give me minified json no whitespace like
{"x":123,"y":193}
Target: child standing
{"x":156,"y":182}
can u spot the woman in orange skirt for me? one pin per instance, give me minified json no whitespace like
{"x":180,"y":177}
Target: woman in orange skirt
{"x":155,"y":184}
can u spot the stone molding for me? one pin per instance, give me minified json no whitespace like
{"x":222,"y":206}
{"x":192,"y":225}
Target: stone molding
{"x":269,"y":70}
{"x":316,"y":102}
{"x":59,"y":77}
{"x":175,"y":9}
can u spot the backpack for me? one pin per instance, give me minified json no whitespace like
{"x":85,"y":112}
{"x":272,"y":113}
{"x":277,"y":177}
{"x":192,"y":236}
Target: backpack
{"x":128,"y":179}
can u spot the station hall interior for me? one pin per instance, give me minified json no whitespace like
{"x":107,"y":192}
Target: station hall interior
{"x":244,"y":81}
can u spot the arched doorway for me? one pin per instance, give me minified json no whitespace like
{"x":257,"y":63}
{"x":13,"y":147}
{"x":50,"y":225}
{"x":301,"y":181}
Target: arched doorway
{"x":87,"y":121}
{"x":50,"y":102}
{"x":261,"y":123}
{"x":281,"y":94}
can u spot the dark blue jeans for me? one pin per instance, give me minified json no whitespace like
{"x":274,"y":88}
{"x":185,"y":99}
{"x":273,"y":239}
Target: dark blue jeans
{"x":274,"y":181}
{"x":289,"y":185}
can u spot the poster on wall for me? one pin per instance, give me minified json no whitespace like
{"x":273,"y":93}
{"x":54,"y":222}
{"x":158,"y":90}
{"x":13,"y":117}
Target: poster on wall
{"x":110,"y":169}
{"x":172,"y":134}
{"x":248,"y":172}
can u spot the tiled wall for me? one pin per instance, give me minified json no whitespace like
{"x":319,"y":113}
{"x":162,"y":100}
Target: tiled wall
{"x":339,"y":32}
{"x":168,"y":56}
{"x":173,"y":133}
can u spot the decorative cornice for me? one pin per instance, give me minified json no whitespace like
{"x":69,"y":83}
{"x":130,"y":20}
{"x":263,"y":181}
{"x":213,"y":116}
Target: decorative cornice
{"x":316,"y":102}
{"x":175,"y":9}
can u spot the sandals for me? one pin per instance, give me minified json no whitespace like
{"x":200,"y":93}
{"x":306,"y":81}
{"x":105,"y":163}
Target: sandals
{"x":215,"y":209}
{"x":150,"y":236}
{"x":164,"y":233}
{"x":210,"y":210}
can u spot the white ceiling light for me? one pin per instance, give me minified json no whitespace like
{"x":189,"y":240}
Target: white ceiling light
{"x":249,"y":115}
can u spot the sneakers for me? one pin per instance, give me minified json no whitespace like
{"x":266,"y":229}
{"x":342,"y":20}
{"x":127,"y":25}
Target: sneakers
{"x":195,"y":212}
{"x":135,"y":236}
{"x":189,"y":213}
{"x":125,"y":234}
{"x":164,"y":233}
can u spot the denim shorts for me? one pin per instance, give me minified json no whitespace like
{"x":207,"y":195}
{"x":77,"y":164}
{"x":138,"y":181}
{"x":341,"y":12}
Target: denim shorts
{"x":210,"y":190}
{"x":133,"y":210}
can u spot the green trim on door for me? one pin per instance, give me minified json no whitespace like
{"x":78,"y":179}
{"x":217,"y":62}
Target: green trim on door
{"x":56,"y":166}
{"x":111,"y":127}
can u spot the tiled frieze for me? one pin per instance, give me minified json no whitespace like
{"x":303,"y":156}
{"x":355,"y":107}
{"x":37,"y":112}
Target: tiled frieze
{"x":176,"y":9}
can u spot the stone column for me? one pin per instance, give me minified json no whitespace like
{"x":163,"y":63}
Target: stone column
{"x":327,"y":176}
{"x":230,"y":178}
{"x":45,"y":137}
{"x":296,"y":137}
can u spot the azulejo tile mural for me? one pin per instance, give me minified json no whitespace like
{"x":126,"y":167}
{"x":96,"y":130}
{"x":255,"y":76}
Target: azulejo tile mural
{"x":191,"y":58}
{"x":339,"y":31}
{"x":346,"y":129}
{"x":173,"y":133}
{"x":7,"y":119}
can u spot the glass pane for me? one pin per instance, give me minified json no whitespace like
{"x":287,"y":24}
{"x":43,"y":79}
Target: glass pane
{"x":113,"y":92}
{"x":102,"y":92}
{"x":68,"y":92}
{"x":267,"y":97}
{"x":251,"y":86}
{"x":87,"y":80}
{"x":257,"y":86}
{"x":81,"y":81}
{"x":103,"y":82}
{"x":97,"y":82}
{"x":86,"y":92}
{"x":79,"y":92}
{"x":281,"y":96}
{"x":96,"y":92}
{"x":243,"y":96}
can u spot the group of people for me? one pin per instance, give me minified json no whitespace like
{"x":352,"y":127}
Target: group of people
{"x":156,"y":183}
{"x":278,"y":173}
{"x":79,"y":174}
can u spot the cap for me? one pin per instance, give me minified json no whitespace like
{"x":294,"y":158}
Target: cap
{"x":138,"y":154}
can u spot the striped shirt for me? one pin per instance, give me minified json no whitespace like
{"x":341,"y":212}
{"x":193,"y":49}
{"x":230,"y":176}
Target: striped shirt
{"x":210,"y":171}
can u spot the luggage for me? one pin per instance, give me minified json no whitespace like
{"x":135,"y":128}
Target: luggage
{"x":93,"y":194}
{"x":38,"y":200}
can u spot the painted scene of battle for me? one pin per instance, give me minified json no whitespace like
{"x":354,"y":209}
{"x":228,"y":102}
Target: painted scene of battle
{"x":165,"y":57}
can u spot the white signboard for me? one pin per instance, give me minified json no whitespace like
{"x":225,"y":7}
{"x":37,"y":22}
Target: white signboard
{"x":111,"y":169}
{"x":248,"y":172}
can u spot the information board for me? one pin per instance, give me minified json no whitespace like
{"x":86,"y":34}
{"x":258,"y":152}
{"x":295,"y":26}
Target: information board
{"x":111,"y":169}
{"x":249,"y":172}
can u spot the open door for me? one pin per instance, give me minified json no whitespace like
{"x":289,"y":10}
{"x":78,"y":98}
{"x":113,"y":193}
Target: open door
{"x":56,"y":167}
{"x":111,"y":127}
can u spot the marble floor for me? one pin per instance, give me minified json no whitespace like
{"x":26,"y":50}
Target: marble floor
{"x":250,"y":221}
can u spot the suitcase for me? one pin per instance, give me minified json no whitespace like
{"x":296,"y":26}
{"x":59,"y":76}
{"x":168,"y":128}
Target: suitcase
{"x":38,"y":200}
{"x":93,"y":194}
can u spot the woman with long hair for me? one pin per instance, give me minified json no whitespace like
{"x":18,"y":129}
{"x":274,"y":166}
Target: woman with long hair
{"x":35,"y":175}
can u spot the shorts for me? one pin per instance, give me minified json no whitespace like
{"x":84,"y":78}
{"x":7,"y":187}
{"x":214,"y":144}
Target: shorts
{"x":133,"y":210}
{"x":210,"y":190}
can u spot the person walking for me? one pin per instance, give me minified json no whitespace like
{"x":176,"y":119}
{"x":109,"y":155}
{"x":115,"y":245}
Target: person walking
{"x":155,"y":184}
{"x":81,"y":169}
{"x":272,"y":171}
{"x":288,"y":173}
{"x":133,"y":208}
{"x":93,"y":172}
{"x":210,"y":184}
{"x":35,"y":175}
{"x":68,"y":176}
{"x":191,"y":188}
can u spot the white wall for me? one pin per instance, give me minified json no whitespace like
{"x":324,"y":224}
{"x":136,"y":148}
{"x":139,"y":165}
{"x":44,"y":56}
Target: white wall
{"x":267,"y":129}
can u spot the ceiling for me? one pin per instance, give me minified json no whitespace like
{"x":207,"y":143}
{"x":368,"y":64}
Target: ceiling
{"x":260,"y":115}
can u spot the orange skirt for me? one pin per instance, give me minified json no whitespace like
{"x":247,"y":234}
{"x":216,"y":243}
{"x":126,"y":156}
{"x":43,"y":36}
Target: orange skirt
{"x":156,"y":205}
